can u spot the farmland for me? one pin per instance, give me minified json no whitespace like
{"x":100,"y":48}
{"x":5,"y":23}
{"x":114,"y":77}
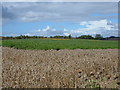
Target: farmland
{"x":59,"y":69}
{"x":59,"y":63}
{"x":58,"y":44}
{"x":46,"y":44}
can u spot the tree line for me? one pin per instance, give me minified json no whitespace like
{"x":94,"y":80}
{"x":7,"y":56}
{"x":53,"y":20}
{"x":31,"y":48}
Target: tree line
{"x":97,"y":37}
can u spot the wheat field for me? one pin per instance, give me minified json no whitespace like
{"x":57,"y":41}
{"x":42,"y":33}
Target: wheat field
{"x":78,"y":68}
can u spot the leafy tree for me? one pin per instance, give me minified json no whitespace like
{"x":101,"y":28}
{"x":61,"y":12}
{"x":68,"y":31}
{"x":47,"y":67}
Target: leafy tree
{"x":69,"y":36}
{"x":98,"y":36}
{"x":112,"y":37}
{"x":86,"y":37}
{"x":51,"y":37}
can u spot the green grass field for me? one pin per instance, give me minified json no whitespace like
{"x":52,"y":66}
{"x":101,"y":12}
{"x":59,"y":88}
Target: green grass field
{"x":45,"y":44}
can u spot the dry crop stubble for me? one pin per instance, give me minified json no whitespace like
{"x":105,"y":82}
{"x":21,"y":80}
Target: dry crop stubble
{"x":60,"y":69}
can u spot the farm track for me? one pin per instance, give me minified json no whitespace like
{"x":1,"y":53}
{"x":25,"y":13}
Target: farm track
{"x":59,"y":69}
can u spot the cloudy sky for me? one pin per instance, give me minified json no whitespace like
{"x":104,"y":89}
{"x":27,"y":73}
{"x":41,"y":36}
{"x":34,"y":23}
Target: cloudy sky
{"x":59,"y":18}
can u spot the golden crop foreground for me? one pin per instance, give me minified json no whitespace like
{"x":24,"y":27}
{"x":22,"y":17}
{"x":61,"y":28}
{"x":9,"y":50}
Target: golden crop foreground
{"x":60,"y":69}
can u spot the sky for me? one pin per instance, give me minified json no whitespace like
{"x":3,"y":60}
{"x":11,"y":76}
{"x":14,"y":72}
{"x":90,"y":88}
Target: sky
{"x":59,"y":18}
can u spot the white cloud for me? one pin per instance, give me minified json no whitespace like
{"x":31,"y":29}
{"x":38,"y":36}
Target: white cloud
{"x":101,"y":24}
{"x":28,"y":34}
{"x":66,"y":34}
{"x":46,"y":29}
{"x":65,"y":30}
{"x":103,"y":27}
{"x":83,"y":23}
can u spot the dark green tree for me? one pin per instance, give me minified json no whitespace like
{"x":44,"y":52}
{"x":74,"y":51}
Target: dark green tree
{"x":85,"y":37}
{"x":98,"y":36}
{"x":70,"y":36}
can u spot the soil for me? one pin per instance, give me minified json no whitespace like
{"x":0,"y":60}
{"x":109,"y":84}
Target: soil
{"x":88,"y":68}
